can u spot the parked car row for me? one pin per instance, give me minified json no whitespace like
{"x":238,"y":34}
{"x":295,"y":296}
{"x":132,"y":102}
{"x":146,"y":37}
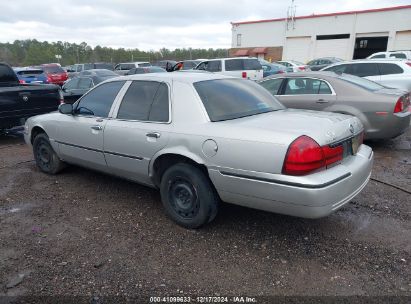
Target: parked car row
{"x":46,"y":73}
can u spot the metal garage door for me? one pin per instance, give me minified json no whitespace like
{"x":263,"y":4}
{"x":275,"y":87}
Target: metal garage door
{"x":331,"y":48}
{"x":297,"y":48}
{"x":402,"y":41}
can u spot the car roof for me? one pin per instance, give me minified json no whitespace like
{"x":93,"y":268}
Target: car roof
{"x":187,"y":77}
{"x":372,"y":60}
{"x":312,"y":74}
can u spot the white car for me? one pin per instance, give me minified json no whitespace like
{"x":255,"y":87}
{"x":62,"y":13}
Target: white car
{"x":394,"y":73}
{"x":243,"y":67}
{"x":123,"y":68}
{"x":294,"y":66}
{"x":391,"y":54}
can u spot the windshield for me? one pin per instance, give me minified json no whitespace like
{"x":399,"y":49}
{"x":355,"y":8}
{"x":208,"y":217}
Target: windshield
{"x":362,"y":82}
{"x":226,"y":99}
{"x":105,"y":73}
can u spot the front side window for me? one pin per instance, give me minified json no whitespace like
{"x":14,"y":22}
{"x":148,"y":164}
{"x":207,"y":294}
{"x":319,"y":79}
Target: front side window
{"x":226,"y":99}
{"x":98,"y":101}
{"x":272,"y":85}
{"x":145,"y":101}
{"x":364,"y":69}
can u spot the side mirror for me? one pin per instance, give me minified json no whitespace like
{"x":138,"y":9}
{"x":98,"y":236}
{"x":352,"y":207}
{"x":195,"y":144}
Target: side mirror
{"x":66,"y":108}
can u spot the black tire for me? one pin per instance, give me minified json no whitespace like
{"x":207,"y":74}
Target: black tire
{"x":188,"y":196}
{"x":44,"y":155}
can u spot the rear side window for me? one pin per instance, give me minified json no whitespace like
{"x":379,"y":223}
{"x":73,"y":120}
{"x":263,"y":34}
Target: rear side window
{"x":364,"y":69}
{"x":72,"y":84}
{"x":145,"y":101}
{"x":213,"y":66}
{"x":145,"y":64}
{"x":252,"y":64}
{"x":398,"y":55}
{"x":85,"y":83}
{"x":302,"y":86}
{"x":390,"y":68}
{"x":127,"y":66}
{"x":234,"y":65}
{"x":342,"y":68}
{"x":324,"y":88}
{"x":98,"y":101}
{"x":272,"y":85}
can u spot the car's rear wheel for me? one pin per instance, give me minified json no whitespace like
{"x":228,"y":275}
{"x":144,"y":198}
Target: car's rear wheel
{"x":188,"y":196}
{"x":44,"y":155}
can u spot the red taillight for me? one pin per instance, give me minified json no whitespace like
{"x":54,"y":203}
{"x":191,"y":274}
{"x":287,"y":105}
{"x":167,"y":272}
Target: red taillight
{"x":22,"y":81}
{"x":408,"y":63}
{"x":244,"y":75}
{"x":280,"y":72}
{"x":402,"y":104}
{"x":301,"y":68}
{"x":305,"y":155}
{"x":49,"y":79}
{"x":333,"y":155}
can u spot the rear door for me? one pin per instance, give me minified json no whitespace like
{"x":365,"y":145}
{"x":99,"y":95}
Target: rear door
{"x":140,"y":128}
{"x":306,"y":93}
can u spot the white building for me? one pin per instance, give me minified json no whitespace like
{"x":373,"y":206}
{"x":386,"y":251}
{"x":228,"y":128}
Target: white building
{"x":347,"y":35}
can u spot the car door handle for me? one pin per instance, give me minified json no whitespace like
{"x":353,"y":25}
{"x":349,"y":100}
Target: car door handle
{"x":321,"y":101}
{"x":98,"y":128}
{"x":153,"y":134}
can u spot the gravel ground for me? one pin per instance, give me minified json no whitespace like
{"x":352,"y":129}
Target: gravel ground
{"x":85,"y":234}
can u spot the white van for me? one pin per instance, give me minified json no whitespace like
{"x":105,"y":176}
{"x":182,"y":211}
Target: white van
{"x":244,"y":67}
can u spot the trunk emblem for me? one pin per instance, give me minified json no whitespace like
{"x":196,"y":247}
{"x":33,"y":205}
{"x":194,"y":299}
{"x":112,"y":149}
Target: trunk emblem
{"x":351,"y":128}
{"x":25,"y":98}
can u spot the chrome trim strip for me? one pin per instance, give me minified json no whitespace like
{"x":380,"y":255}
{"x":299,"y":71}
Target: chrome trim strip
{"x":101,"y":151}
{"x":274,"y":181}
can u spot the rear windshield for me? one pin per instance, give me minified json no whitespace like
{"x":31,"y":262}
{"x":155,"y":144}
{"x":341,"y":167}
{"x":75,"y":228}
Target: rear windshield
{"x":362,"y":82}
{"x":226,"y":99}
{"x":55,"y":69}
{"x":30,"y":72}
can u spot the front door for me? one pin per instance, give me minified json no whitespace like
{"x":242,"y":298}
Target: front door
{"x":140,"y":129}
{"x":80,"y":136}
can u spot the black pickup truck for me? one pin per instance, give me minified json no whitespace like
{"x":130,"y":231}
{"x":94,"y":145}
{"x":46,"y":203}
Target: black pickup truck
{"x":21,"y":101}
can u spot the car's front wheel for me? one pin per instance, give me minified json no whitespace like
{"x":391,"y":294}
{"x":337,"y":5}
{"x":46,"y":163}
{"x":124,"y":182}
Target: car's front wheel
{"x":188,"y":196}
{"x":44,"y":155}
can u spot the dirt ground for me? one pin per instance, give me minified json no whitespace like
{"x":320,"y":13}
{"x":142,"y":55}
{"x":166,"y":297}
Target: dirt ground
{"x":85,"y":234}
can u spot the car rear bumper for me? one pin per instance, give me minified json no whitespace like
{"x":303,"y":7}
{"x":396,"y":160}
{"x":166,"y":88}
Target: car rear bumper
{"x":312,"y":196}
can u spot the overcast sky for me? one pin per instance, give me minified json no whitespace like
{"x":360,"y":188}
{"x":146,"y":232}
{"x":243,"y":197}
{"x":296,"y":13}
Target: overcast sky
{"x":151,"y":25}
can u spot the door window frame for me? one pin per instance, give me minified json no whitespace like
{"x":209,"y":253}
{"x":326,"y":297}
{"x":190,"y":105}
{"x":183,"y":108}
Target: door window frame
{"x":284,"y":84}
{"x":119,"y":100}
{"x":120,"y":93}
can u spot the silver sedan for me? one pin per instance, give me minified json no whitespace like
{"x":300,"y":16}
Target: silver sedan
{"x":383,"y":111}
{"x":205,"y":138}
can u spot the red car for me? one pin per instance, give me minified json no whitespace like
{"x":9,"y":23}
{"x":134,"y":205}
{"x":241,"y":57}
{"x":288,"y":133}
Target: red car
{"x":55,"y":73}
